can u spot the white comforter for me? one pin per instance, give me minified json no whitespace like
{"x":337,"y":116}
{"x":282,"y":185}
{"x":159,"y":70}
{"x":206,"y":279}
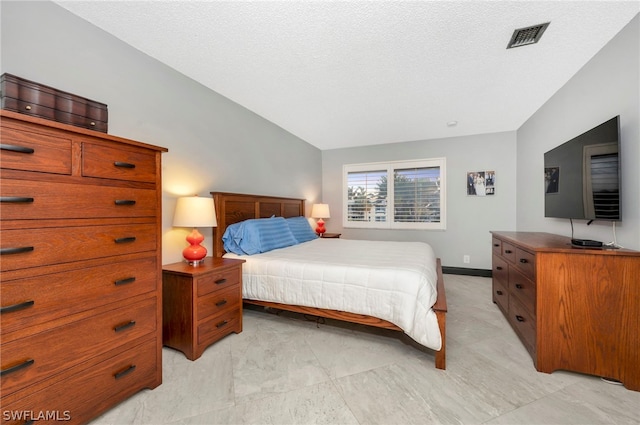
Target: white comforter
{"x":394,"y":281}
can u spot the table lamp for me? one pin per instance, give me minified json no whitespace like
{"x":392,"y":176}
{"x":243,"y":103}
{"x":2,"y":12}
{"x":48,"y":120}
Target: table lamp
{"x":193,"y":211}
{"x":320,"y":211}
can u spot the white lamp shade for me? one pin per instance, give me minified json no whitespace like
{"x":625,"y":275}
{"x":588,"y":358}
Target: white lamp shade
{"x":193,"y":211}
{"x":320,"y":211}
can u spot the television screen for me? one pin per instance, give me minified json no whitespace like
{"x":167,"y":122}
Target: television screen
{"x":582,"y":176}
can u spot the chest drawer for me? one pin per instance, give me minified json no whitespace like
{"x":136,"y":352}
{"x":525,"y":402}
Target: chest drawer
{"x":500,"y":295}
{"x":83,"y":393}
{"x":218,"y":281}
{"x":218,"y":302}
{"x":37,"y":247}
{"x":26,"y":200}
{"x":496,"y":246}
{"x":39,"y":300}
{"x":134,"y":164}
{"x":30,"y":151}
{"x":31,"y":359}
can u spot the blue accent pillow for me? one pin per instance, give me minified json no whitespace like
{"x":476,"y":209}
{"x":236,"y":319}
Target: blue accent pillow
{"x":301,"y":229}
{"x":232,"y":237}
{"x":258,"y":235}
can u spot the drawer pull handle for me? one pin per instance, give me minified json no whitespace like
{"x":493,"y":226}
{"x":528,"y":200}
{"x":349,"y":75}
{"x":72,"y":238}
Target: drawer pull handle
{"x":519,"y":318}
{"x":221,"y":303}
{"x":220,"y":281}
{"x":496,"y":244}
{"x":28,"y":107}
{"x":507,"y":251}
{"x":124,"y":371}
{"x":16,"y":199}
{"x":124,"y":281}
{"x":16,"y":307}
{"x":221,"y":324}
{"x":15,"y":148}
{"x":124,"y":326}
{"x":499,"y":292}
{"x":125,"y":202}
{"x":519,"y":286}
{"x":124,"y":164}
{"x":125,"y":240}
{"x":523,"y":261}
{"x":18,"y":250}
{"x":498,"y":268}
{"x":92,"y":123}
{"x":17,"y":367}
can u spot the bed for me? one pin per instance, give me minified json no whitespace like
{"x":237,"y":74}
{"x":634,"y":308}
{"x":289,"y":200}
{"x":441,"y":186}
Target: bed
{"x":232,"y":208}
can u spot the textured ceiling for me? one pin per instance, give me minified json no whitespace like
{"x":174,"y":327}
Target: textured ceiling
{"x":352,"y":73}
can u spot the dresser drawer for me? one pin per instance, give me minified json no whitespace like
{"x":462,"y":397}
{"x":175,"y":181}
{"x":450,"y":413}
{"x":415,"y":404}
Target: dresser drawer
{"x":218,"y":281}
{"x":524,"y":289}
{"x":135,"y":164}
{"x":39,"y":300}
{"x":26,"y":200}
{"x":496,"y":246}
{"x":30,"y":151}
{"x":219,"y":326}
{"x":218,"y":302}
{"x":37,"y":247}
{"x":31,"y":359}
{"x":509,"y":252}
{"x":89,"y":390}
{"x":523,"y":323}
{"x":526,"y":263}
{"x":500,"y":270}
{"x":500,"y":295}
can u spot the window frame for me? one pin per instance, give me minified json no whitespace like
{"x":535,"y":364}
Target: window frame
{"x":390,"y":167}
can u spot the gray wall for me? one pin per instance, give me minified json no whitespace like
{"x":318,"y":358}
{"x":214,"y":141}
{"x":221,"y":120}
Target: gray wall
{"x":606,"y":86}
{"x":469,"y":218}
{"x":214,"y":144}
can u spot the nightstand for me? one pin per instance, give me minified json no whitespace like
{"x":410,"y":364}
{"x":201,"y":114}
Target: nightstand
{"x":331,"y":235}
{"x":201,"y":304}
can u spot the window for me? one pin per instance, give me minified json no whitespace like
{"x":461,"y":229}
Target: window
{"x":395,"y":195}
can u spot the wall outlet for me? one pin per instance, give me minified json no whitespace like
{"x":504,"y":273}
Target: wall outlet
{"x":466,"y":259}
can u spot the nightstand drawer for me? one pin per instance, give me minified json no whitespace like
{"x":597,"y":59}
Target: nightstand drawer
{"x":218,"y":302}
{"x":214,"y":329}
{"x":218,"y":281}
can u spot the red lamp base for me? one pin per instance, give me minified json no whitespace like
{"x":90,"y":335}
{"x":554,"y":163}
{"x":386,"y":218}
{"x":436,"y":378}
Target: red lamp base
{"x":320,"y":229}
{"x":194,"y":254}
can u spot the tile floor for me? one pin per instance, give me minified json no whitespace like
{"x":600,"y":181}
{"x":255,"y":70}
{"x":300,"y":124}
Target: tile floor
{"x":287,"y":370}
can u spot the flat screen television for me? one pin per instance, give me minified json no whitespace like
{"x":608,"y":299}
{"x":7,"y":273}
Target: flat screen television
{"x":582,"y":176}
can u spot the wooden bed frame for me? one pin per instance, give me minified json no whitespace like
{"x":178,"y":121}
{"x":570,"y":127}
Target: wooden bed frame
{"x":235,"y":207}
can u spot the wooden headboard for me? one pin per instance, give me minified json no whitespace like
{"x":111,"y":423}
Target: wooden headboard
{"x":235,"y":207}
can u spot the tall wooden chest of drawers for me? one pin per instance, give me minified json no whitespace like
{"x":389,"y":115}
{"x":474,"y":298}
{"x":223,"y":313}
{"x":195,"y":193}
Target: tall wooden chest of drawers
{"x":81,"y":295}
{"x":573,"y":309}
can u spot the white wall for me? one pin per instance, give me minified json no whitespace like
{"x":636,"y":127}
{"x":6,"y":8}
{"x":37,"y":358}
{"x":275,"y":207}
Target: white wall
{"x":606,"y":86}
{"x":469,"y":218}
{"x":214,"y":144}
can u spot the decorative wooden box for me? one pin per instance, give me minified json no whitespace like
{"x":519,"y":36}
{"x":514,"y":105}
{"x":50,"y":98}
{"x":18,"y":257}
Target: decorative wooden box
{"x":38,"y":100}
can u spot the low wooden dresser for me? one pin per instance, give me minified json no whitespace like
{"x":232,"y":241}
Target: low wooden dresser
{"x":80,"y":306}
{"x":201,"y":304}
{"x":574,"y":309}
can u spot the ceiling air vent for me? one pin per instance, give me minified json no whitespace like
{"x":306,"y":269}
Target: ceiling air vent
{"x":528,"y":35}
